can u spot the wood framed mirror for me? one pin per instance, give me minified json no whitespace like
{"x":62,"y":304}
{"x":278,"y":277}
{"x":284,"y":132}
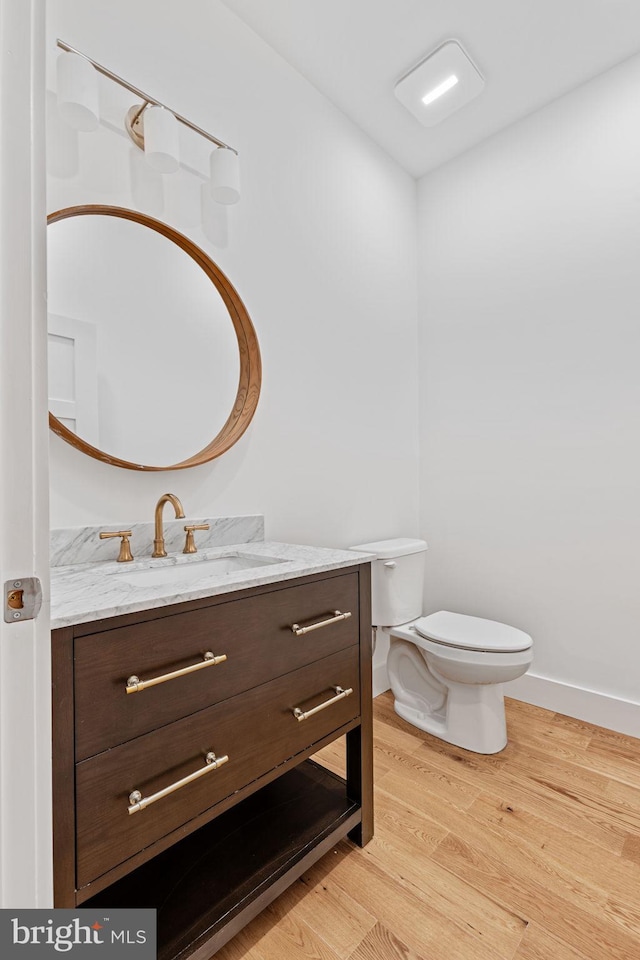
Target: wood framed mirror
{"x":152,"y":353}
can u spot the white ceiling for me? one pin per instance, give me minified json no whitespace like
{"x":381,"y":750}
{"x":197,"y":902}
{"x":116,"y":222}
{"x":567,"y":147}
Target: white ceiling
{"x":530,"y":52}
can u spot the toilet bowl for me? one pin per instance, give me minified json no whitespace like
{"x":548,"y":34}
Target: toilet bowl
{"x":447,"y":669}
{"x":446,"y":672}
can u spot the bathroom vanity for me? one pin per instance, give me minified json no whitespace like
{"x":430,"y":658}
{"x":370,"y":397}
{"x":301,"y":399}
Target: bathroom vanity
{"x":185,"y":716}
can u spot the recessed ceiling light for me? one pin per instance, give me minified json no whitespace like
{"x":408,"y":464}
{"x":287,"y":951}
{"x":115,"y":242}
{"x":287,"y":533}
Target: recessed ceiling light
{"x":440,"y":89}
{"x":448,"y":70}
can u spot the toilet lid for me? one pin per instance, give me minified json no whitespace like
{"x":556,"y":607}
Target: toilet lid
{"x":472,"y":633}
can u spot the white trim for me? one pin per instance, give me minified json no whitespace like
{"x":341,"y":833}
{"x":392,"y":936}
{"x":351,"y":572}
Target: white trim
{"x":623,"y":716}
{"x":26,"y":861}
{"x":605,"y":711}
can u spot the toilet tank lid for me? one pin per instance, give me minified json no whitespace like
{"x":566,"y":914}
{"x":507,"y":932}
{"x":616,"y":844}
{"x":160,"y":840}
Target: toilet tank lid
{"x":386,"y":549}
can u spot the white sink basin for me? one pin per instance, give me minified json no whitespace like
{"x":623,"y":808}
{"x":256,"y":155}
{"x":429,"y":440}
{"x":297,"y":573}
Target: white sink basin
{"x":188,"y":571}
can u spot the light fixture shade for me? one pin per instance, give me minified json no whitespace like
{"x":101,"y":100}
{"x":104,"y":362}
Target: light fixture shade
{"x":77,"y":91}
{"x":161,"y":146}
{"x":225,"y":175}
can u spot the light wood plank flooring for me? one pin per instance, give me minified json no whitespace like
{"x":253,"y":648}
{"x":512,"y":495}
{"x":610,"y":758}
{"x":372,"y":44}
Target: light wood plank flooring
{"x":532,"y":854}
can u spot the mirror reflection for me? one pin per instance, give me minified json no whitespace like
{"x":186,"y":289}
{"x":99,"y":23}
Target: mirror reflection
{"x":144,"y":362}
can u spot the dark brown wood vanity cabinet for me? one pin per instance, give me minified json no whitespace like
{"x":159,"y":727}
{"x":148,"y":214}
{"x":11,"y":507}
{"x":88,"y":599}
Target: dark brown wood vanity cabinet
{"x":182,"y":745}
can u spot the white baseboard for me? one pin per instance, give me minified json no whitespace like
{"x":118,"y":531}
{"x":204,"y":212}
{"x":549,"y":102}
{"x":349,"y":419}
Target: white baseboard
{"x":611,"y":712}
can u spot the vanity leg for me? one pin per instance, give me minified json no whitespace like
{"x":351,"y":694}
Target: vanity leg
{"x":360,"y":783}
{"x":360,"y":740}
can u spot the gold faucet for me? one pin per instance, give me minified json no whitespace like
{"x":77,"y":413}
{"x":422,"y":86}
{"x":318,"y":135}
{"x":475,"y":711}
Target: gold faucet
{"x":158,"y":542}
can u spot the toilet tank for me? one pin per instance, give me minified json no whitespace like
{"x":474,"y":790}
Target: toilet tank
{"x":397,"y":580}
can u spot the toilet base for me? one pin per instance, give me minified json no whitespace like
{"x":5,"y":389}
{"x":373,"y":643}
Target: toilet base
{"x":488,"y":737}
{"x":467,"y":715}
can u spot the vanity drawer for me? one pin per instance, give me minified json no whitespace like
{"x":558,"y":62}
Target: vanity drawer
{"x":254,"y":633}
{"x":257,"y":730}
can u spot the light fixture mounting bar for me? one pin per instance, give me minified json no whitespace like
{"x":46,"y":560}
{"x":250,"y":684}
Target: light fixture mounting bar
{"x":145,"y":96}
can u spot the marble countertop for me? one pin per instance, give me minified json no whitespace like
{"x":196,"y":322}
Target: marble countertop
{"x":84,"y":592}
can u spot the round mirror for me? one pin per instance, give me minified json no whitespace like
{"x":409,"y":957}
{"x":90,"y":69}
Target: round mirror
{"x":151,"y":350}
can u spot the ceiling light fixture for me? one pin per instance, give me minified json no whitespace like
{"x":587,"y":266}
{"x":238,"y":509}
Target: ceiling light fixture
{"x":440,"y":90}
{"x":152,"y":117}
{"x":448,"y":69}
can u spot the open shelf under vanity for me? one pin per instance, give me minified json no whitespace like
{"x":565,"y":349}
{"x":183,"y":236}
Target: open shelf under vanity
{"x":209,"y":885}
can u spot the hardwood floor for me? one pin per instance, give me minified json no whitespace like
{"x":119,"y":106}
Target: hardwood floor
{"x":531,"y":854}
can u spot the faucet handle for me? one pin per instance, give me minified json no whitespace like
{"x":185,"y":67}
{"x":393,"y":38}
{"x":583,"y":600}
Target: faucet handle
{"x":125,"y":550}
{"x":189,"y":543}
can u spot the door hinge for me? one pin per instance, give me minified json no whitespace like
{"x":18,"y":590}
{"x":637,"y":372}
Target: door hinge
{"x":22,"y":599}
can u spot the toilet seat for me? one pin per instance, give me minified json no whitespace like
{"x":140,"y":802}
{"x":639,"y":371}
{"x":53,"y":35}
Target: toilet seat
{"x":458,"y":631}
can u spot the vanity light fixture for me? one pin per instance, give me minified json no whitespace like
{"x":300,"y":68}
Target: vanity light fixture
{"x":224,"y":184}
{"x":440,"y":84}
{"x":161,"y":139}
{"x":77,"y":91}
{"x":152,"y":126}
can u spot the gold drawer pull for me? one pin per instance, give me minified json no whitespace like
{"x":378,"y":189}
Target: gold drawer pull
{"x":300,"y":631}
{"x":340,"y":695}
{"x":136,"y":685}
{"x":137,"y":802}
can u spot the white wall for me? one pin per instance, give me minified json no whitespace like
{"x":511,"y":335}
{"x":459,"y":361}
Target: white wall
{"x":529,"y":343}
{"x":321,"y":249}
{"x":529,"y":267}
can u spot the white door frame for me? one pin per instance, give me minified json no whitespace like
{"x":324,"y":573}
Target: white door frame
{"x":26,"y":877}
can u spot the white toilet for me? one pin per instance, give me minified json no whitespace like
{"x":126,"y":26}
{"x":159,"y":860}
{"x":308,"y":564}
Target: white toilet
{"x":447,"y":669}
